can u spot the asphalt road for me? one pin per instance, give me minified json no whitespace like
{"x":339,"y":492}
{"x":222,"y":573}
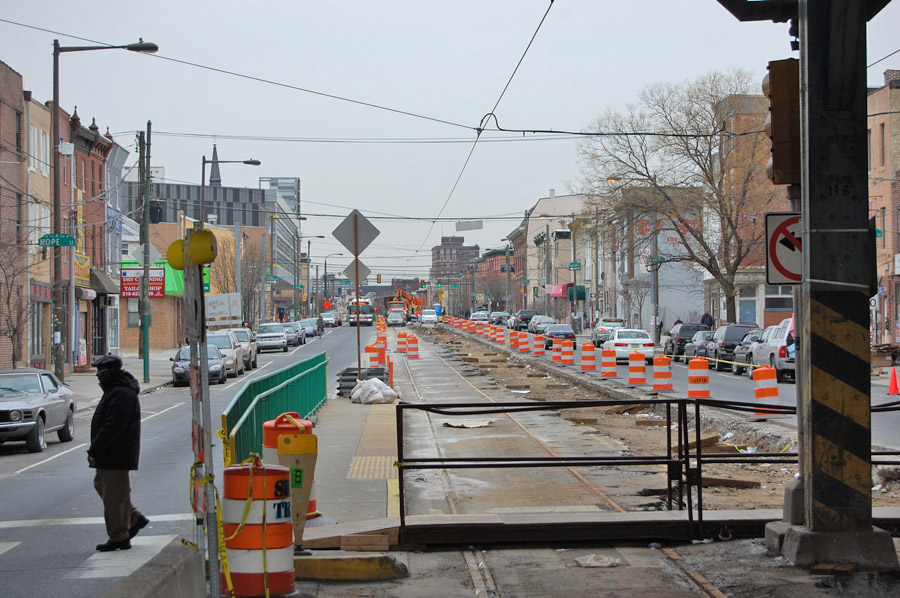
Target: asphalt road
{"x":53,"y":519}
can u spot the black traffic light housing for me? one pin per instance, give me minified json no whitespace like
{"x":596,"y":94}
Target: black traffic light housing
{"x":439,"y":285}
{"x":423,"y":285}
{"x":782,"y":87}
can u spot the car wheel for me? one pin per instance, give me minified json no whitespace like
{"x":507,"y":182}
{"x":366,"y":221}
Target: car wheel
{"x":750,"y":368}
{"x":284,"y":350}
{"x":719,"y":365}
{"x":736,"y":369}
{"x":223,"y":379}
{"x":67,"y":433}
{"x":35,"y":441}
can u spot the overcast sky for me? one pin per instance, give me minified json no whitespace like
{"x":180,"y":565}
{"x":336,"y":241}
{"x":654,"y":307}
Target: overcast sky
{"x":445,"y":63}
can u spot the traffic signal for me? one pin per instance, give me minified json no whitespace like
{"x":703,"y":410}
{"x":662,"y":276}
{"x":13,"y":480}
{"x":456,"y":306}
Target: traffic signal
{"x":423,"y":285}
{"x":379,"y":278}
{"x":439,"y":283}
{"x":782,"y":86}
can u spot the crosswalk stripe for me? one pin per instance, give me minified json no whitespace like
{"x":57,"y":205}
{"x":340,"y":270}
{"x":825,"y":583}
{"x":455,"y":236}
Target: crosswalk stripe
{"x":87,"y":520}
{"x":120,"y":563}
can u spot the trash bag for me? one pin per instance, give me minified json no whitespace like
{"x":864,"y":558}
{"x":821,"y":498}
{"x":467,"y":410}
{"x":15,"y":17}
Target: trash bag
{"x":373,"y":390}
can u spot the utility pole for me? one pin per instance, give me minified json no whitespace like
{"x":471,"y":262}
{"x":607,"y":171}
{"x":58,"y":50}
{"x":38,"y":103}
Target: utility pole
{"x":238,"y":241}
{"x":547,"y":279}
{"x":145,"y":280}
{"x":142,"y":191}
{"x":506,"y":306}
{"x":272,"y":218}
{"x":262,"y":286}
{"x":655,"y":265}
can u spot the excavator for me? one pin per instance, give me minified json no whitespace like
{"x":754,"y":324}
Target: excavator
{"x":409,"y":303}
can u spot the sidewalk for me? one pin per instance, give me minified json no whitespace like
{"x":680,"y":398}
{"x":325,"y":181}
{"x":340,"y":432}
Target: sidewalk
{"x":87,"y":389}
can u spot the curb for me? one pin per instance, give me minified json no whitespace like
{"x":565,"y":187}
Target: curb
{"x":349,"y":567}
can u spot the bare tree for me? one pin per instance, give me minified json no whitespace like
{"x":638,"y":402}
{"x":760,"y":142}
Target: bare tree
{"x":14,"y":301}
{"x":223,"y":273}
{"x":634,"y":293}
{"x":692,"y":155}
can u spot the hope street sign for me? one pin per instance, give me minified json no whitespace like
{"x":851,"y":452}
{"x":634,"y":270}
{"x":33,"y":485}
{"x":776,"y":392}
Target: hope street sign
{"x":57,"y":240}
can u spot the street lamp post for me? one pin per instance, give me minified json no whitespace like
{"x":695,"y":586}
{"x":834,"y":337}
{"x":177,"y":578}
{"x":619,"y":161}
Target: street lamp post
{"x":60,"y":320}
{"x":325,"y":278}
{"x":308,"y":264}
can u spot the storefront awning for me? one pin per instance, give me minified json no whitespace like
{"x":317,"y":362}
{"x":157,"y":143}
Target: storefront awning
{"x":559,"y":290}
{"x":103,"y":282}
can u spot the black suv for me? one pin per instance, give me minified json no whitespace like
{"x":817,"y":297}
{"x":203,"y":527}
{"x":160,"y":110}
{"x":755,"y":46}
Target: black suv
{"x":721,"y":347}
{"x":680,"y":335}
{"x":523,"y":316}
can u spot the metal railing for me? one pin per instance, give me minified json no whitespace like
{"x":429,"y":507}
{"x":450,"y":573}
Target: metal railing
{"x":300,"y":387}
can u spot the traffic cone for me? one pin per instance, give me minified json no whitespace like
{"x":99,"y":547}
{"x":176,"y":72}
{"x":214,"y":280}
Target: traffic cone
{"x":892,"y":387}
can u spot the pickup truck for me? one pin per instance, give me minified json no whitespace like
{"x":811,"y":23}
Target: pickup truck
{"x":520,"y":319}
{"x":777,"y":349}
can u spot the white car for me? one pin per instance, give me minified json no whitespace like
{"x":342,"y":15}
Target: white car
{"x":625,"y":341}
{"x":429,"y":316}
{"x":232,"y":352}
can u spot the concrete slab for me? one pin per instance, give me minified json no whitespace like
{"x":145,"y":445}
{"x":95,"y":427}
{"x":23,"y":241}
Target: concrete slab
{"x":872,"y":550}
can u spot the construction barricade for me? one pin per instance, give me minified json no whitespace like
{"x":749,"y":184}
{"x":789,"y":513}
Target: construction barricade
{"x":567,"y":353}
{"x":260,"y":555}
{"x":539,"y":344}
{"x":523,"y":342}
{"x":401,"y":342}
{"x":662,"y":373}
{"x":588,"y":357}
{"x":557,"y":350}
{"x":637,"y":369}
{"x":288,"y":423}
{"x":765,"y":379}
{"x":513,"y":340}
{"x":698,"y":378}
{"x":501,"y":336}
{"x":412,"y":347}
{"x":372,"y":354}
{"x":608,"y":364}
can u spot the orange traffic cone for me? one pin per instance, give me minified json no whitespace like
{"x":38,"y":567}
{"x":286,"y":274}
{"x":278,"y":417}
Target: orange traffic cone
{"x":892,"y":387}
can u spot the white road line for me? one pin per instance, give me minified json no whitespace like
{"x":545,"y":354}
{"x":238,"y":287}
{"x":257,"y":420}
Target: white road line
{"x":5,"y":546}
{"x":161,"y":412}
{"x":121,"y":562}
{"x":48,"y":459}
{"x":87,"y":521}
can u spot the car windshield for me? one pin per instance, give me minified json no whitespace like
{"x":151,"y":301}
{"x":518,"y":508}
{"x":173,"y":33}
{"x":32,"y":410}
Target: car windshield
{"x":20,"y":382}
{"x":307,"y":323}
{"x":633,"y":334}
{"x":560,"y":329}
{"x":612,"y":323}
{"x":222,"y":342}
{"x":290,"y":326}
{"x":270,"y":329}
{"x":429,"y":312}
{"x":242,"y":335}
{"x":735,"y":333}
{"x":184,"y":354}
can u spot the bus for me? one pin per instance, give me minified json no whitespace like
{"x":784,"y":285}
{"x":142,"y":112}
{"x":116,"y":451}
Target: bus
{"x":361,"y":309}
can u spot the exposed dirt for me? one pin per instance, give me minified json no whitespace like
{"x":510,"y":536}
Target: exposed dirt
{"x":506,"y":370}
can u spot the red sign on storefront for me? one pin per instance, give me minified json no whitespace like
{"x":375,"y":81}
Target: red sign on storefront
{"x":130,"y":284}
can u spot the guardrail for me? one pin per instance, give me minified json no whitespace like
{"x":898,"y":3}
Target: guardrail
{"x":300,"y":387}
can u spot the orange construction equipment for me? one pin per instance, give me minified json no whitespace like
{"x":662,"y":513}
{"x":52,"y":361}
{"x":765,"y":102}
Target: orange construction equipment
{"x":637,"y":368}
{"x":539,"y":345}
{"x":412,"y":347}
{"x":892,"y":387}
{"x":567,"y":355}
{"x":608,"y":364}
{"x":766,"y":380}
{"x":698,"y":378}
{"x":260,"y":555}
{"x":557,"y":350}
{"x":662,"y":373}
{"x":401,"y":342}
{"x":588,"y":357}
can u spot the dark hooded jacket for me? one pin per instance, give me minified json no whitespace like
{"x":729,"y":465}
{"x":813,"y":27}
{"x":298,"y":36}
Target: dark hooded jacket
{"x":116,"y":425}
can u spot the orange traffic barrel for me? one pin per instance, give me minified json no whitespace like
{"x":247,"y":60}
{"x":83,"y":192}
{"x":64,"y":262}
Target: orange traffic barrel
{"x":274,"y":428}
{"x":766,"y":380}
{"x":401,"y":342}
{"x":588,"y":357}
{"x":523,"y":342}
{"x":698,"y":378}
{"x":412,"y":347}
{"x":557,"y":350}
{"x":501,"y":335}
{"x":381,"y":346}
{"x":637,"y":370}
{"x":372,"y":352}
{"x":662,"y":373}
{"x":261,"y":554}
{"x":539,"y":345}
{"x":567,"y":354}
{"x":390,"y":366}
{"x":513,"y":339}
{"x":608,"y":364}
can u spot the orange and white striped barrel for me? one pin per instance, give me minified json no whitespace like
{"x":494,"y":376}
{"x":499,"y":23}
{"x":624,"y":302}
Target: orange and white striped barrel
{"x":766,"y":380}
{"x":372,"y":352}
{"x":479,"y":328}
{"x":557,"y":350}
{"x":698,"y":378}
{"x":568,"y":353}
{"x":514,"y":340}
{"x":412,"y":347}
{"x":501,"y":335}
{"x":401,"y":342}
{"x":272,"y":429}
{"x":268,"y":524}
{"x":588,"y":357}
{"x":662,"y":373}
{"x":539,"y":345}
{"x":524,"y":342}
{"x":381,"y":347}
{"x":608,"y":364}
{"x":637,"y":369}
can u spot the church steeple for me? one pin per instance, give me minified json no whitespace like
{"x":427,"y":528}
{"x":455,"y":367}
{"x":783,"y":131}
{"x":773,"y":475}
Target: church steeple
{"x":215,"y":179}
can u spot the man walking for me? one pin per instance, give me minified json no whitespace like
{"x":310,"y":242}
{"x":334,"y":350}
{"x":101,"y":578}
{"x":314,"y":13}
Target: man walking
{"x":115,"y":450}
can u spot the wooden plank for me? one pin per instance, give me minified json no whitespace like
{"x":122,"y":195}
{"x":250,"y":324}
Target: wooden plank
{"x":650,"y":422}
{"x":363,"y":542}
{"x":707,"y":481}
{"x":705,"y":440}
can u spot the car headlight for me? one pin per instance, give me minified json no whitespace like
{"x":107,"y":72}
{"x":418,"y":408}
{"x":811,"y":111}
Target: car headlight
{"x":178,"y":370}
{"x":215,"y":367}
{"x":15,"y":416}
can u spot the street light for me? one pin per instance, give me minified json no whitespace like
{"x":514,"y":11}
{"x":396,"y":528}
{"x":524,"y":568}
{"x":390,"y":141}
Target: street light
{"x":325,"y":279}
{"x":308,"y":263}
{"x":60,"y":321}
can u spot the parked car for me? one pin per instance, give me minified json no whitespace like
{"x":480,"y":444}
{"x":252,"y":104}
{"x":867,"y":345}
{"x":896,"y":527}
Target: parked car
{"x":721,"y":347}
{"x":181,"y":366}
{"x":271,"y":336}
{"x":478,"y":316}
{"x":231,"y":349}
{"x":498,"y":318}
{"x":395,"y":318}
{"x":696,"y":347}
{"x":679,"y":336}
{"x":293,"y":333}
{"x":538,"y":324}
{"x":32,"y":403}
{"x":328,"y":319}
{"x":310,"y":328}
{"x":742,"y":351}
{"x":429,"y":316}
{"x":248,"y":343}
{"x":625,"y":341}
{"x":560,"y":331}
{"x":777,"y":349}
{"x":519,"y":320}
{"x":600,"y":333}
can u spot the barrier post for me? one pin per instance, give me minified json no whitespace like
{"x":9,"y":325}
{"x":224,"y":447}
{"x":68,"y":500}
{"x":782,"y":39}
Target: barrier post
{"x":401,"y":342}
{"x":588,"y":357}
{"x":698,"y":378}
{"x":608,"y":364}
{"x":637,"y":369}
{"x":539,"y":344}
{"x":412,"y":347}
{"x":662,"y":373}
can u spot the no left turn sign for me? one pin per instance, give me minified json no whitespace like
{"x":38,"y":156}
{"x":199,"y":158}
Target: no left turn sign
{"x":784,"y":250}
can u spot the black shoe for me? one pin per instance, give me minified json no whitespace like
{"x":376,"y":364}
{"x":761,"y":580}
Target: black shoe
{"x":110,"y":546}
{"x":141,"y":524}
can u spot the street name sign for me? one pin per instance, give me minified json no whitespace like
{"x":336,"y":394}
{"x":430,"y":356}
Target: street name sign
{"x":574,"y":265}
{"x":57,"y":240}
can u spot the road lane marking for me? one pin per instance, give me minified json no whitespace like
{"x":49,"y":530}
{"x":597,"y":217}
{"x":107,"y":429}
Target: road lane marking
{"x":161,"y":412}
{"x":88,"y":520}
{"x":48,"y":459}
{"x":6,"y":546}
{"x":121,"y":562}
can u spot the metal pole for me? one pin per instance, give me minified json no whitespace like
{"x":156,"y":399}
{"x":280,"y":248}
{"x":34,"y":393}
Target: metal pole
{"x":356,"y":271}
{"x":308,"y":288}
{"x":272,"y":218}
{"x":145,"y":283}
{"x":238,"y":241}
{"x":507,"y":278}
{"x":654,"y":279}
{"x":59,"y":319}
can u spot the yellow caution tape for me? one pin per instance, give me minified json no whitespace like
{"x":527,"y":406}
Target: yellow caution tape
{"x":294,"y":421}
{"x":789,"y":444}
{"x":223,"y":551}
{"x":193,"y":545}
{"x":226,"y":447}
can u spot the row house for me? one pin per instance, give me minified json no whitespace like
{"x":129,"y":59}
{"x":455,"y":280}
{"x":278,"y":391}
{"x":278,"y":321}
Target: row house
{"x":489,"y":278}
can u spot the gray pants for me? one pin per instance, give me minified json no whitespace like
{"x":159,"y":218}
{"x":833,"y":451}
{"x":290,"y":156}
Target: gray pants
{"x":114,"y":488}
